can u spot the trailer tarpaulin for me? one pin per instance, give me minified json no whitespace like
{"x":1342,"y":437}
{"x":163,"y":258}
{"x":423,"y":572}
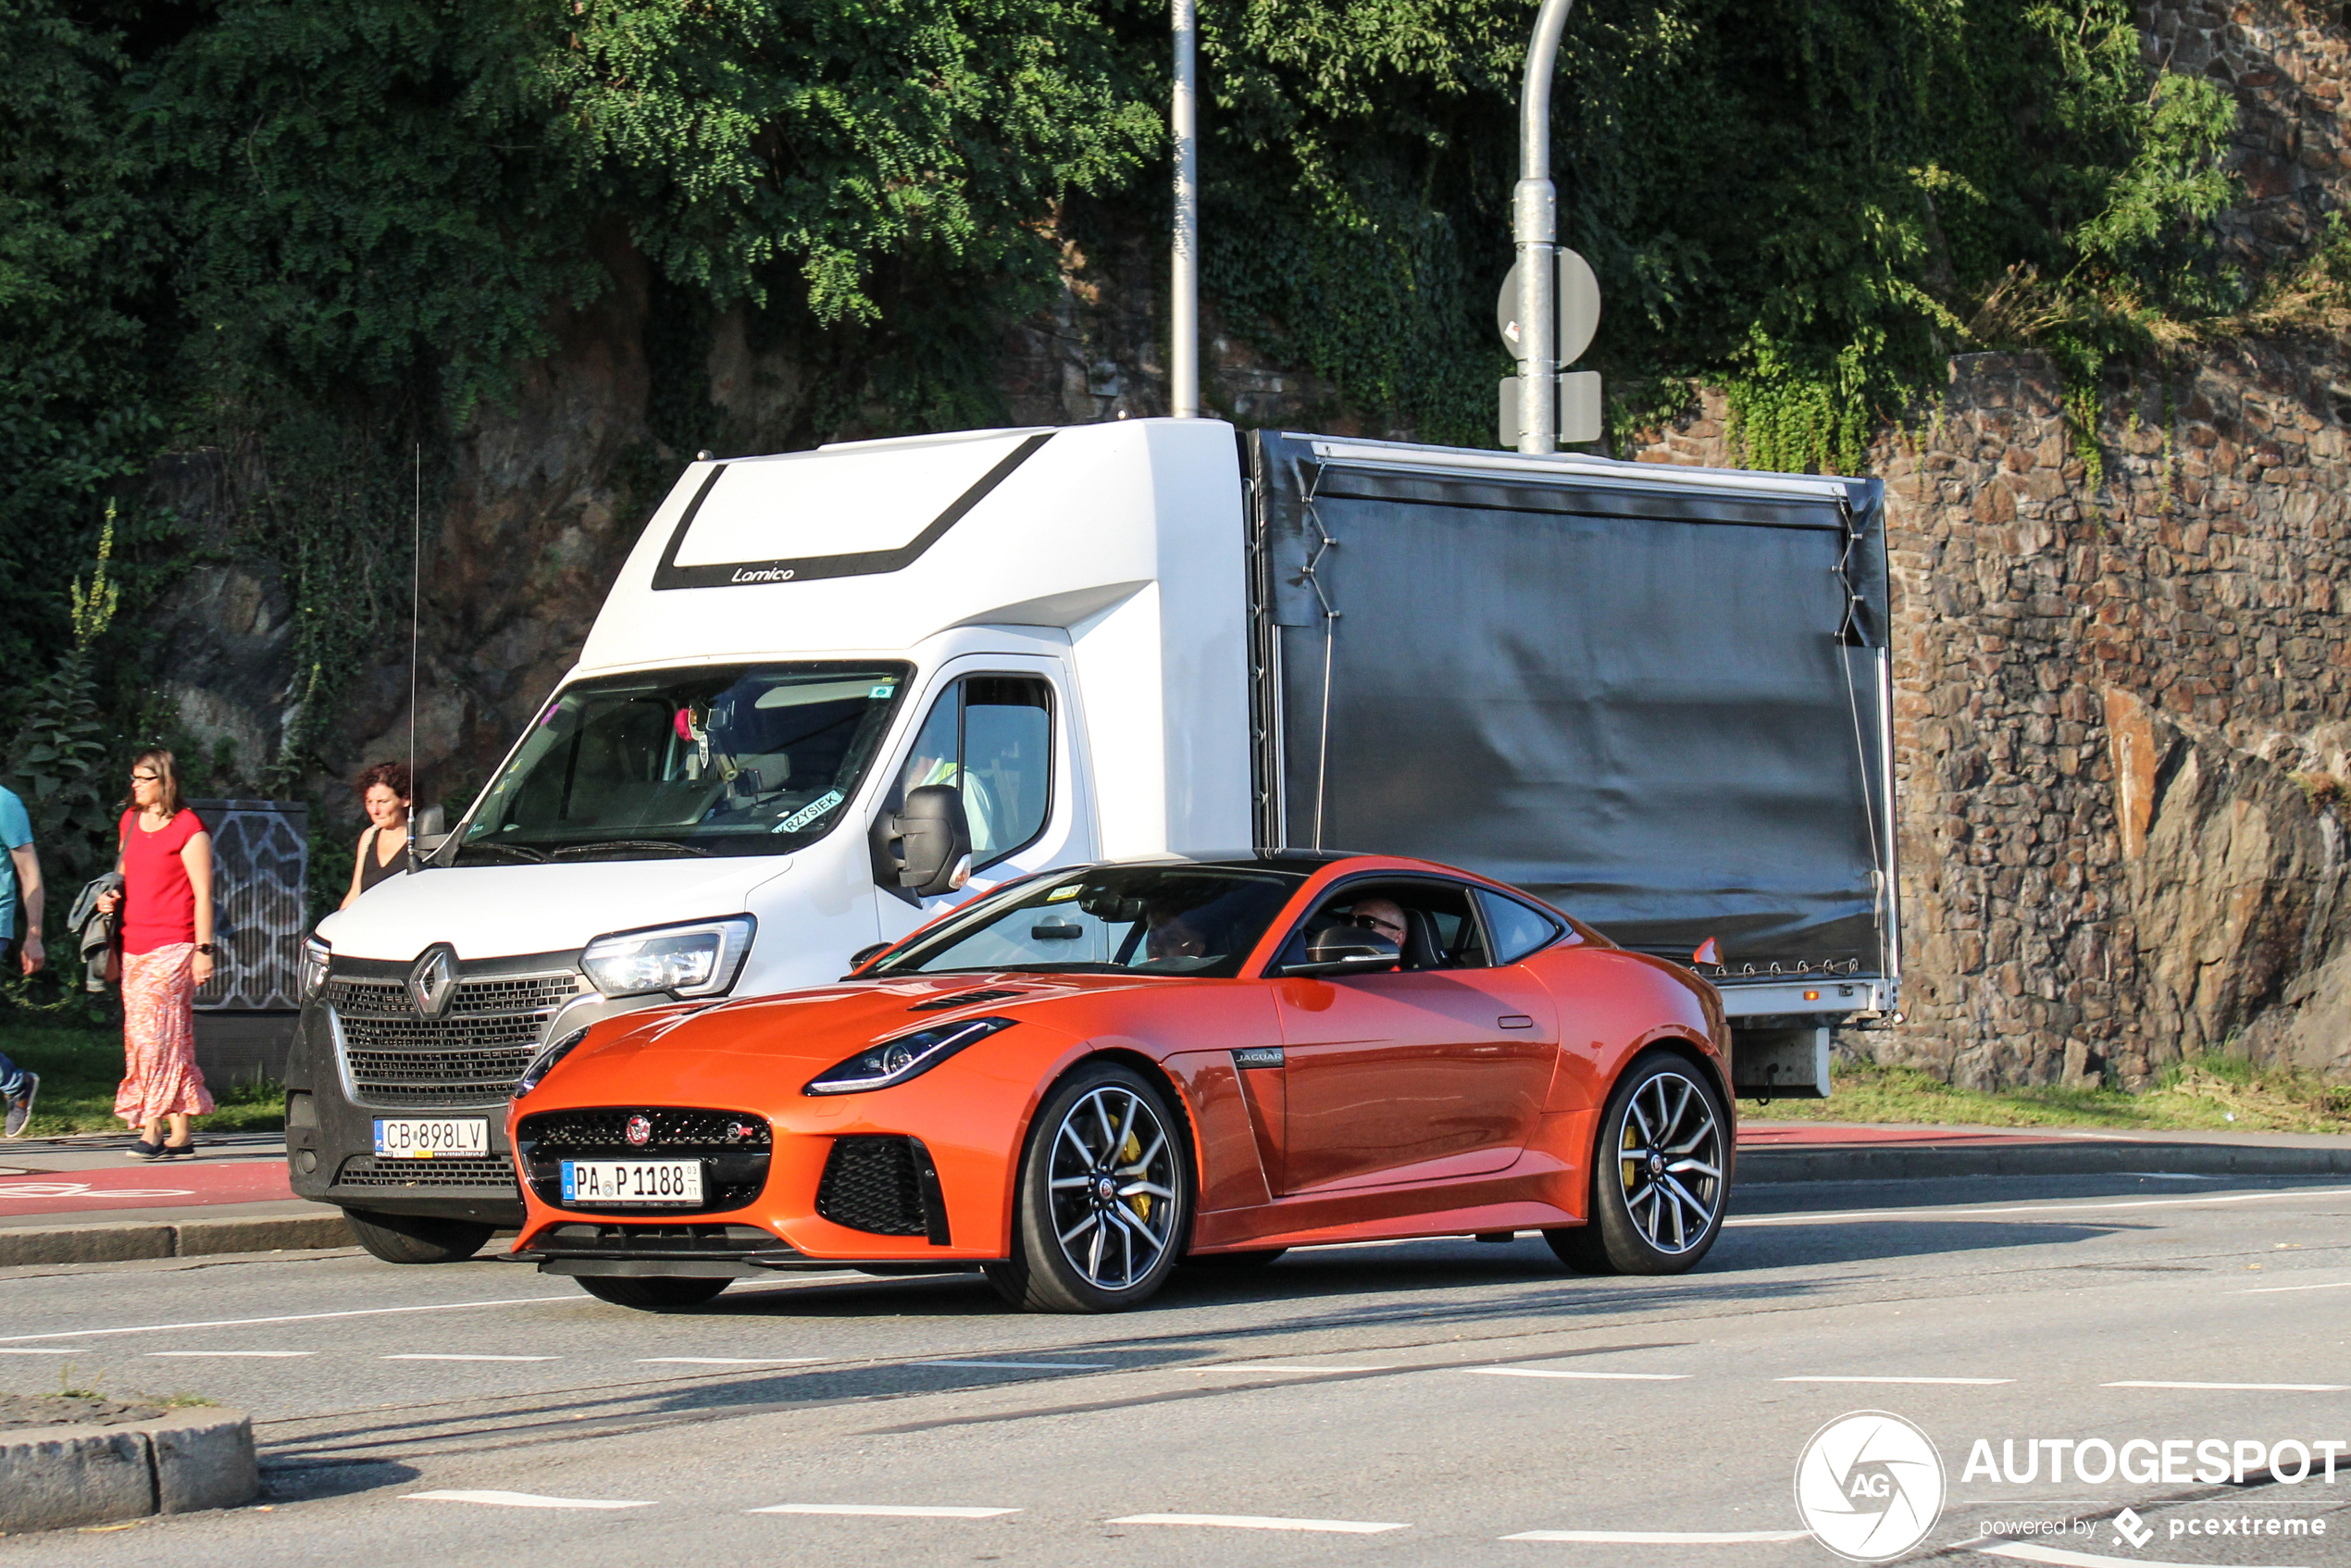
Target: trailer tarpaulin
{"x":1653,"y":699}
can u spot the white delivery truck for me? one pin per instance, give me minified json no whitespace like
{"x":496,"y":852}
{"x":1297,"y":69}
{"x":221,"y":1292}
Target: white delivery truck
{"x":831,"y":690}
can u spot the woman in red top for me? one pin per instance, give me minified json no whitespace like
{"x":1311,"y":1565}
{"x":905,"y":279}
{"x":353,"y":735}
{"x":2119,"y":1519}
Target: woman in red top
{"x":167,"y":953}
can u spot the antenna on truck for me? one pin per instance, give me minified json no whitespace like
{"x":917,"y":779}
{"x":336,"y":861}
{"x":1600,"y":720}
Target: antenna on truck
{"x":1183,"y":277}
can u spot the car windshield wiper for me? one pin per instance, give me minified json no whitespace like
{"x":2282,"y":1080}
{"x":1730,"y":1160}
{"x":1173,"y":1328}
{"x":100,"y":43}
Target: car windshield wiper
{"x":669,"y":845}
{"x":520,"y":852}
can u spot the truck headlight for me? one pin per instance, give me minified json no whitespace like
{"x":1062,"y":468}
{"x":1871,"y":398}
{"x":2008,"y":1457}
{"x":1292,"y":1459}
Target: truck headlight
{"x":700,"y":959}
{"x":901,"y":1057}
{"x":316,"y":956}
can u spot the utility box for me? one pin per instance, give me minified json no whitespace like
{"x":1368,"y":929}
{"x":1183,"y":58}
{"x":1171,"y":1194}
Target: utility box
{"x":248,"y":1012}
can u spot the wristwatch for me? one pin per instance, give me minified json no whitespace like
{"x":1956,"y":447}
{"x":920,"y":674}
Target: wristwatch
{"x":205,"y":947}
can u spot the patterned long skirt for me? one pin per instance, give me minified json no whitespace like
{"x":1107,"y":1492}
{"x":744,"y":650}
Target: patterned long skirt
{"x":160,"y":1077}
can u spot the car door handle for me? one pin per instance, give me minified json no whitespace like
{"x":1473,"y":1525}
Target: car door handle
{"x":1515,"y":1020}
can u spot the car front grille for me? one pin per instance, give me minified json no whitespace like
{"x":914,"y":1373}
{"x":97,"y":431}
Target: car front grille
{"x":483,"y":1172}
{"x":734,"y":1169}
{"x":874,"y":1183}
{"x":470,"y":1055}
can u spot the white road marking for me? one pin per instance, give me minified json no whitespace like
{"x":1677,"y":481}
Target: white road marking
{"x":1258,"y":1522}
{"x":420,"y":1357}
{"x":726,"y":1360}
{"x":1277,"y":1367}
{"x":521,"y":1499}
{"x":2243,"y":1388}
{"x":1662,"y":1537}
{"x":1964,"y":1380}
{"x":1589,"y":1376}
{"x":293,"y":1318}
{"x":2033,"y":1551}
{"x":2275,"y":1290}
{"x":1028,"y":1365}
{"x":2168,"y":1175}
{"x":249,"y":1355}
{"x":47,"y":1350}
{"x":1851,"y":1216}
{"x":883,"y":1510}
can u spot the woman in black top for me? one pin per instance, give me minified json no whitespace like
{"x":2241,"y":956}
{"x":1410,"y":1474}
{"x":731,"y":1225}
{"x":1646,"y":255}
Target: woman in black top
{"x":383,"y":848}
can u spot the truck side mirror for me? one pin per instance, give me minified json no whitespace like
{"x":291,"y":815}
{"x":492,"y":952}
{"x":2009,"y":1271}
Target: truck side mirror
{"x":1346,"y":950}
{"x":930,"y":840}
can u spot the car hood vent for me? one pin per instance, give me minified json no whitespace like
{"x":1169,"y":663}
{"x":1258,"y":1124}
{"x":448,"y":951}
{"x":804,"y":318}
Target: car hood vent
{"x":963,"y":999}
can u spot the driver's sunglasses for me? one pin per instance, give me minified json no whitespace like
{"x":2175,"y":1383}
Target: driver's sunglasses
{"x":1374,"y":923}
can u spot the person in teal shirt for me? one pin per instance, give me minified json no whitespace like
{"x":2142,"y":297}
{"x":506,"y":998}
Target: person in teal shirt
{"x":21,"y":899}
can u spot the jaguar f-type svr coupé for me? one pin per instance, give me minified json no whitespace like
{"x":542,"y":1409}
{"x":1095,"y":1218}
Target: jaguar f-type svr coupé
{"x":1079,"y":1081}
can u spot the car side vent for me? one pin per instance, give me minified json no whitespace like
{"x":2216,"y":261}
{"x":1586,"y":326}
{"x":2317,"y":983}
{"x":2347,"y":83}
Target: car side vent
{"x":962,"y":999}
{"x":882,"y":1184}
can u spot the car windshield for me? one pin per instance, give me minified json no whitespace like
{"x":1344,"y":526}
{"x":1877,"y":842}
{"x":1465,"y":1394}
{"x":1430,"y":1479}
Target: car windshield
{"x":735,"y":760}
{"x":1143,"y":919}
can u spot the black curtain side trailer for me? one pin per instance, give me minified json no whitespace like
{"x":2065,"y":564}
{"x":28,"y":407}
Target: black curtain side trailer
{"x":1658,"y":697}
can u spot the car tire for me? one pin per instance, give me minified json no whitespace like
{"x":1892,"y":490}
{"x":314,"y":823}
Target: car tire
{"x":1657,"y":1209}
{"x":650,"y":1293}
{"x":416,"y":1238}
{"x":1078,"y":1245}
{"x":1234,"y":1260}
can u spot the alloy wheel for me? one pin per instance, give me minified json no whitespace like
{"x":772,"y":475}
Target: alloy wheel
{"x":1670,"y":1160}
{"x":1113,"y":1183}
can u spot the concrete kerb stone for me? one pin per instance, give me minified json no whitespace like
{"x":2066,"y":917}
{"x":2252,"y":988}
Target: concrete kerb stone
{"x":125,"y":1241}
{"x":55,"y":1478}
{"x":2069,"y":1157}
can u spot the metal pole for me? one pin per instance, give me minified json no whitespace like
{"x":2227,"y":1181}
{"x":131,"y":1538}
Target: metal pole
{"x":1183,"y":302}
{"x":1534,"y":227}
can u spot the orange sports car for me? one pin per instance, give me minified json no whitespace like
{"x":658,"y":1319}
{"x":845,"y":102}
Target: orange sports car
{"x":1082,"y":1080}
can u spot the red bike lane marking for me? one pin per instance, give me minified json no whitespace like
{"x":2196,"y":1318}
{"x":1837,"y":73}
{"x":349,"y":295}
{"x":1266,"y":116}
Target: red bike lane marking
{"x":173,"y":1184}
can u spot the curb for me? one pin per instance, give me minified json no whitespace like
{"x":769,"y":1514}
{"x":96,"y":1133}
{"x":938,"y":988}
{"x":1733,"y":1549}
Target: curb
{"x":126,"y":1241}
{"x":2056,"y":1157}
{"x":54,"y":1477}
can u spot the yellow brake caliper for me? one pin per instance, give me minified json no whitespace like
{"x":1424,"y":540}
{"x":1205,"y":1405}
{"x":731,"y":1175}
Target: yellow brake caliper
{"x":1128,"y":1154}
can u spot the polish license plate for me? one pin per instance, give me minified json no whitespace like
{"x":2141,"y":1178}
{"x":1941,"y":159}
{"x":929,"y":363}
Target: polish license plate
{"x":595,"y":1184}
{"x":407,"y":1137}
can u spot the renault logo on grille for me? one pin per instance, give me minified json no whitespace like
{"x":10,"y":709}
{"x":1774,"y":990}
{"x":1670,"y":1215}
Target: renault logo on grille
{"x":432,"y":979}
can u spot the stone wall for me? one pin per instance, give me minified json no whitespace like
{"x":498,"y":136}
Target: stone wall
{"x":2121,"y":702}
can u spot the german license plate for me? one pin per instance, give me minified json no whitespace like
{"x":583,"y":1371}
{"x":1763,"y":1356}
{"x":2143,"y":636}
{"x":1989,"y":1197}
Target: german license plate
{"x":594,"y":1184}
{"x":420,"y":1137}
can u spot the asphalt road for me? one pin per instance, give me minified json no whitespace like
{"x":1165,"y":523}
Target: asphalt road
{"x":1422,"y":1403}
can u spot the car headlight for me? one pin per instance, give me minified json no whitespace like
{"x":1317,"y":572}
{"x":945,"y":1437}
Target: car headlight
{"x":316,"y":956}
{"x":702,"y":959}
{"x":544,"y":1063}
{"x":901,"y":1057}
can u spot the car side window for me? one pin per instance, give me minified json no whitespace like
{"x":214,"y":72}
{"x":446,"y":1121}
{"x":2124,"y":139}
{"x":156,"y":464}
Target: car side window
{"x":991,"y":737}
{"x":1429,"y":922}
{"x":1518,"y":930}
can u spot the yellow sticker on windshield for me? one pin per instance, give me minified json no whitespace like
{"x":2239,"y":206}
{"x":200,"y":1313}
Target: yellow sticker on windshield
{"x":1069,"y":893}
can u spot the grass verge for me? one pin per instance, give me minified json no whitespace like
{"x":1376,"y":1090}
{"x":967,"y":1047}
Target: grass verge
{"x":2209,"y":1093}
{"x":81,"y":1064}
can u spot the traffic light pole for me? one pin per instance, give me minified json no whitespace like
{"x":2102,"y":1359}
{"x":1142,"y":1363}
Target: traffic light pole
{"x":1535,"y":228}
{"x":1183,"y":292}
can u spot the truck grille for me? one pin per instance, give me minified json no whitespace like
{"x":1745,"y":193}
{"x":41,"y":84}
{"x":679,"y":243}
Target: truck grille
{"x":470,"y":1055}
{"x":460,"y":1170}
{"x":734,"y":1169}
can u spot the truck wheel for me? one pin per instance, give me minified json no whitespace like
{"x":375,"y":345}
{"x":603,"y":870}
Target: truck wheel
{"x":1101,"y":1212}
{"x":413,"y":1238}
{"x":1657,"y":1203}
{"x":650,"y":1294}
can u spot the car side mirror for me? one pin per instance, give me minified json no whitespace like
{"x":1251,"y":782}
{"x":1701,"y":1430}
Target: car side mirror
{"x":866,"y":956}
{"x":930,"y":840}
{"x":1346,"y":949}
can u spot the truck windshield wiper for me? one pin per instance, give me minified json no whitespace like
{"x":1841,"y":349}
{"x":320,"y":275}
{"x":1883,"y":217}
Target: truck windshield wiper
{"x":669,"y":845}
{"x":520,"y":852}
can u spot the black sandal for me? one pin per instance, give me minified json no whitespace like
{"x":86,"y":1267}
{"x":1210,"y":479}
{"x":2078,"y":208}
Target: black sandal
{"x":143,"y":1149}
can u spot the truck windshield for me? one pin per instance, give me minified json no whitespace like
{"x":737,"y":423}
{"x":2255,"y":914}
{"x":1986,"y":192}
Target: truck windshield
{"x":732,"y":760}
{"x":1189,"y":919}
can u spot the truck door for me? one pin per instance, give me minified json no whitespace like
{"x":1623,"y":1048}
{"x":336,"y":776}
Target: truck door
{"x":1437,"y":1069}
{"x":997,"y":733}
